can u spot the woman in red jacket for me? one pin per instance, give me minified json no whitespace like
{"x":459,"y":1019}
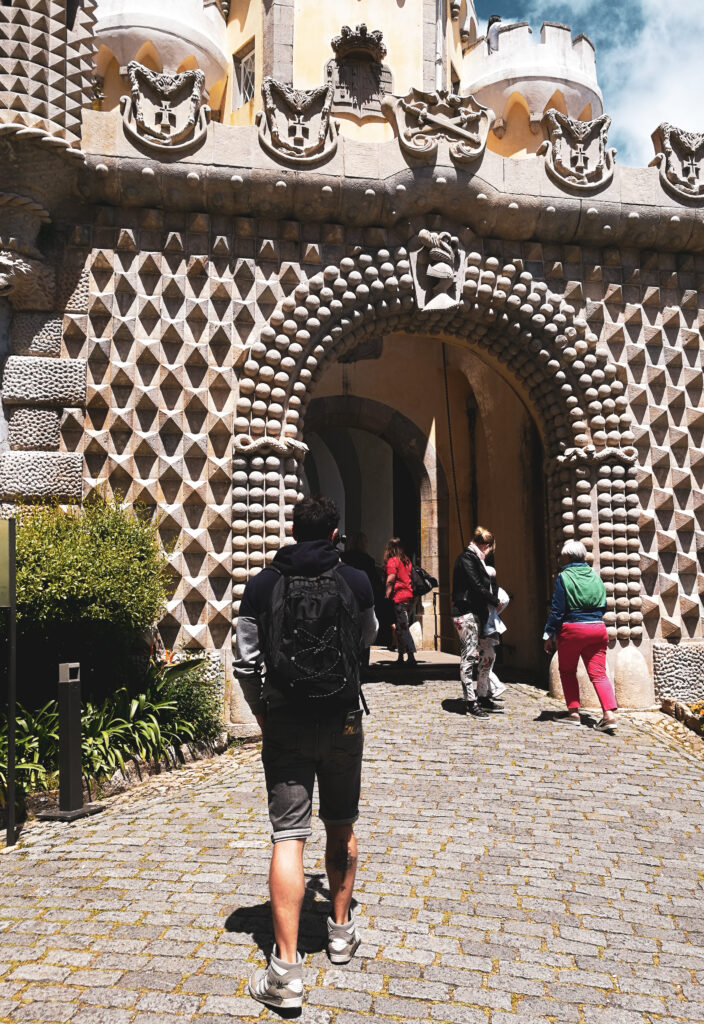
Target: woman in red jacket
{"x":400,"y":591}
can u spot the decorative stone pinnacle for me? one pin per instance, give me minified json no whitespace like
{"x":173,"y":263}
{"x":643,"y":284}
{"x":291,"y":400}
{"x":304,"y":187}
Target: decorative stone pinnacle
{"x":359,"y":41}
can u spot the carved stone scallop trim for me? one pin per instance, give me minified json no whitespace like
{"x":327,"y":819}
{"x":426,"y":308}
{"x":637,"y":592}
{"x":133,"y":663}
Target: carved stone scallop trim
{"x":680,"y":158}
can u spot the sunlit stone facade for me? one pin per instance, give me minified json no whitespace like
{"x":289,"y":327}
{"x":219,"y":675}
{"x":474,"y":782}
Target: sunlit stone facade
{"x":250,"y":249}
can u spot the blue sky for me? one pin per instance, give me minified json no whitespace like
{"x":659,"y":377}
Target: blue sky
{"x":649,"y":60}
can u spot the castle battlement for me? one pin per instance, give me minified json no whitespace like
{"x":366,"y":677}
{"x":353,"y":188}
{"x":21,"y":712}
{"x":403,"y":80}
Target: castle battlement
{"x":516,"y":53}
{"x":509,"y":71}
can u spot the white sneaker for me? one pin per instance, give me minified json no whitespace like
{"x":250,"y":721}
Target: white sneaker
{"x":343,"y":941}
{"x":280,"y":985}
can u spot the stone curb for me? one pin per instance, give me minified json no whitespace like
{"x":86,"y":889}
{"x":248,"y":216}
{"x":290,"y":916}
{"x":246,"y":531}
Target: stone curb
{"x":683,"y":714}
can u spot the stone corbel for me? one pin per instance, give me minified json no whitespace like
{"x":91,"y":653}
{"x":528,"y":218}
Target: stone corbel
{"x":499,"y":128}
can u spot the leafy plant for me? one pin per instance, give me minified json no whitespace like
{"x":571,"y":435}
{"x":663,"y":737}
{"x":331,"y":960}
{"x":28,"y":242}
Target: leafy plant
{"x":123,"y":726}
{"x":36,"y":749}
{"x":100,"y":562}
{"x":91,"y":583}
{"x":698,"y":708}
{"x":196,"y":688}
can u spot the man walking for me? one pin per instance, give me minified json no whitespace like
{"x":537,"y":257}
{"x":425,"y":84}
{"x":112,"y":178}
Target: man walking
{"x":302,"y":625}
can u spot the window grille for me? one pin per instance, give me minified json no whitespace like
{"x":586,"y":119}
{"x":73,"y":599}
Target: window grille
{"x":243,"y":90}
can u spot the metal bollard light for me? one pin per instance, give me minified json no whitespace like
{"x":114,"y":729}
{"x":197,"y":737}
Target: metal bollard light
{"x":71,"y":804}
{"x":70,"y":781}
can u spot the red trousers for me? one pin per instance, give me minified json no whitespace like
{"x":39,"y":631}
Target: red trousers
{"x":589,"y":641}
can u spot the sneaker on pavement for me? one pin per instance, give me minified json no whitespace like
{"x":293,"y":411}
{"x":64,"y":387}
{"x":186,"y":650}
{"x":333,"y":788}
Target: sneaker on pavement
{"x":343,"y":941}
{"x":475,"y":710}
{"x":491,"y":705}
{"x":280,"y":985}
{"x":603,"y":726}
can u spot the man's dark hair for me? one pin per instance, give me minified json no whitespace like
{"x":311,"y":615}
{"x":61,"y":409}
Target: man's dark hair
{"x":315,"y":518}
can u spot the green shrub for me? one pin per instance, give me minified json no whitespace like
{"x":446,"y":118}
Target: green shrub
{"x":123,"y":726}
{"x":100,"y":562}
{"x":91,"y":582}
{"x":198,"y":695}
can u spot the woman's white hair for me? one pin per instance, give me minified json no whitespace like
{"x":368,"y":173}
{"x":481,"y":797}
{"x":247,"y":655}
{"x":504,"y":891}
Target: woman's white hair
{"x":574,"y":550}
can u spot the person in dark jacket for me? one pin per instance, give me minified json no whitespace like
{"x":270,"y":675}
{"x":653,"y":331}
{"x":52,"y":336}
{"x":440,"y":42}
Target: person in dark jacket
{"x":357,"y":555}
{"x":474,"y":591}
{"x":576,"y":625}
{"x":299,"y":745}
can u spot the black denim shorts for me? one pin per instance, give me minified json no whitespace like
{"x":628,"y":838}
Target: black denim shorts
{"x":296,"y":751}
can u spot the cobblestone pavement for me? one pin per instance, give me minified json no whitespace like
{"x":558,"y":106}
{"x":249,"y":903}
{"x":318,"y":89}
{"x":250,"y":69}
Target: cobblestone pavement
{"x":511,"y":871}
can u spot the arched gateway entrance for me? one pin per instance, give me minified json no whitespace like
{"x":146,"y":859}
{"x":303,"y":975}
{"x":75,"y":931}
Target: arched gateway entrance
{"x":516,"y":329}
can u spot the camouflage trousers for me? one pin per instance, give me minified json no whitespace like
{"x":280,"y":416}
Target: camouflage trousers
{"x":477,"y":657}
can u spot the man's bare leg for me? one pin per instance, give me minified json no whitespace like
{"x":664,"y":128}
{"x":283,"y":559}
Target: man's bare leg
{"x":341,"y":867}
{"x":287,"y":888}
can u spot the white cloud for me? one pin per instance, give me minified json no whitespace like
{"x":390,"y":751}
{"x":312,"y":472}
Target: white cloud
{"x":648,"y":60}
{"x":656,"y":75}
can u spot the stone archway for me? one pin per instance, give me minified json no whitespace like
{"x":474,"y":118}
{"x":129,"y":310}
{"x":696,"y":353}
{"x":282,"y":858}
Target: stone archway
{"x":411,"y":444}
{"x":516,"y":324}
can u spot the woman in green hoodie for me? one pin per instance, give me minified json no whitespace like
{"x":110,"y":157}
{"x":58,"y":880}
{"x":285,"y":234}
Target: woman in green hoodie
{"x":576,"y":623}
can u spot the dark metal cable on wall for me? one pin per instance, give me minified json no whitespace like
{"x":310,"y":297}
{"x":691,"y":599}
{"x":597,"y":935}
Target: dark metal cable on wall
{"x":452,"y":446}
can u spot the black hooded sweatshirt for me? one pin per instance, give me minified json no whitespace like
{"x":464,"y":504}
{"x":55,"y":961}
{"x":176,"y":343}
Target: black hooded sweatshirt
{"x":307,"y":558}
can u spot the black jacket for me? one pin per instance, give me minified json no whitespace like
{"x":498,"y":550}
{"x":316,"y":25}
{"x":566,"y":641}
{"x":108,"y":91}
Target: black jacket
{"x":473,"y":589}
{"x":308,"y":558}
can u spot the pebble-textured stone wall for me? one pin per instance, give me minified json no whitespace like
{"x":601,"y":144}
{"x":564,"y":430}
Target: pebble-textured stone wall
{"x":40,"y":381}
{"x":679,"y":671}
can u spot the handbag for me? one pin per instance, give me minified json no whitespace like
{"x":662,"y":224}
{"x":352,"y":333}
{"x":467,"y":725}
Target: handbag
{"x":421,"y":581}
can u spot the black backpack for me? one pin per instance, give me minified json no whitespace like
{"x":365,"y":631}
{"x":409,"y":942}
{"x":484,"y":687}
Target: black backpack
{"x":421,"y":581}
{"x":312,"y":640}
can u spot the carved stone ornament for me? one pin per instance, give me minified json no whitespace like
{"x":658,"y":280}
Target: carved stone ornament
{"x":424,"y":119}
{"x":576,"y":153}
{"x":358,"y":78}
{"x":438,"y":268}
{"x":165,"y":111}
{"x":295,"y":124}
{"x":28,"y":283}
{"x":359,"y":42}
{"x":620,"y":456}
{"x":244,"y":444}
{"x":680,"y":157}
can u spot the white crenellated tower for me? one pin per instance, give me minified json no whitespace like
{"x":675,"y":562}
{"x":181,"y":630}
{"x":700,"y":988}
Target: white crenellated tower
{"x":520,"y":79}
{"x":176,"y":36}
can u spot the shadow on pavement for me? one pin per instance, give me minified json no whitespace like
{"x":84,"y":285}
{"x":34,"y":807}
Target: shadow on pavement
{"x":401,"y":675}
{"x":313,"y":930}
{"x":454,"y":706}
{"x":548,"y":715}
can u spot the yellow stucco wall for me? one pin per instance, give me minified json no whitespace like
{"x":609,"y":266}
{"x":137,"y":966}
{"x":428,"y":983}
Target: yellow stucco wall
{"x":243,"y":27}
{"x":401,"y":23}
{"x":316,"y":23}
